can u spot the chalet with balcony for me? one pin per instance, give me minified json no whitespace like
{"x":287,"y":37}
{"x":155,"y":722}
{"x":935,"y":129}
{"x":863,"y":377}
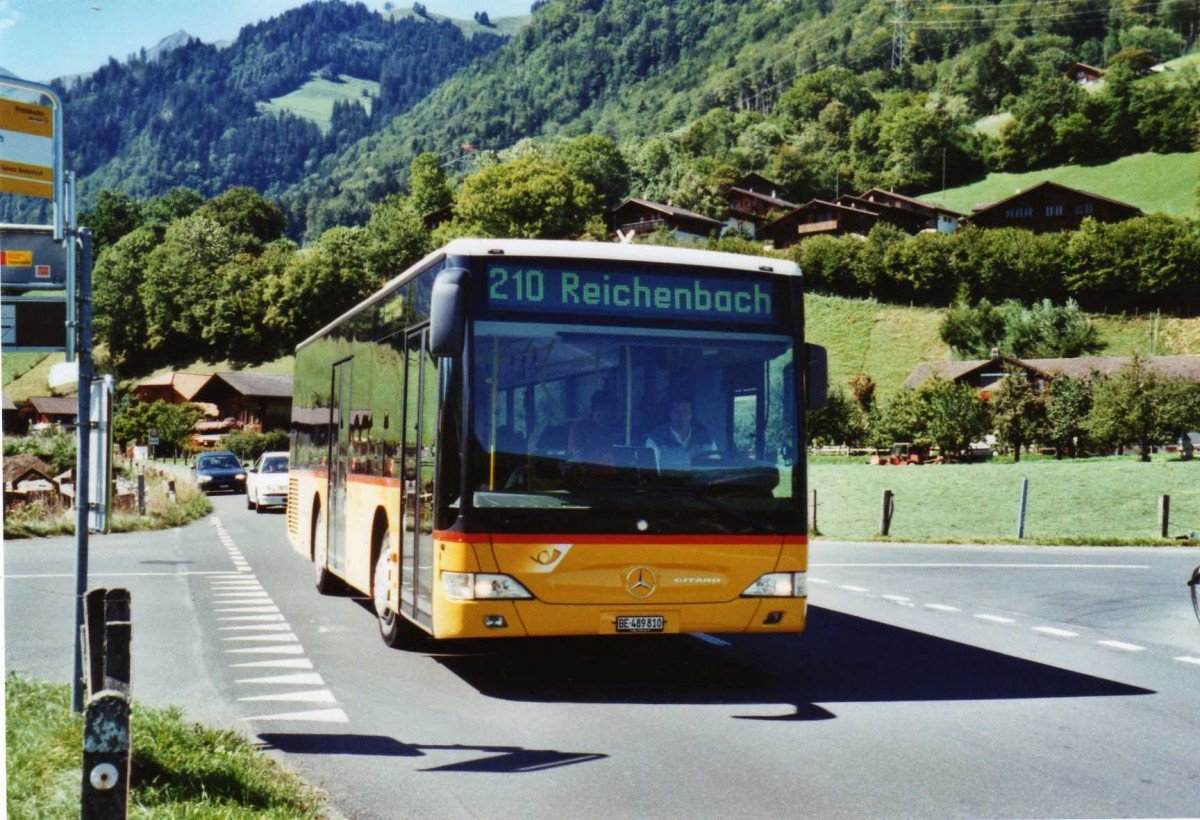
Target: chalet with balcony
{"x":641,"y":216}
{"x":933,"y":217}
{"x":754,"y":201}
{"x":817,"y":218}
{"x":985,"y":374}
{"x":1048,"y":207}
{"x":256,"y":401}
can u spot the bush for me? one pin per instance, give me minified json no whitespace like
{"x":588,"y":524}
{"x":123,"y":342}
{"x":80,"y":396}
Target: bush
{"x":55,"y":448}
{"x":248,"y":445}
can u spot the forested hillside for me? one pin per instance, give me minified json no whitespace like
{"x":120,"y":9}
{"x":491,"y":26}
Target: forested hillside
{"x":189,"y":116}
{"x":815,"y":95}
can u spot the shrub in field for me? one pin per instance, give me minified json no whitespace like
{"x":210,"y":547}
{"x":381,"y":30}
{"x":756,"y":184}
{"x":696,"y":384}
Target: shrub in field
{"x":1142,"y":408}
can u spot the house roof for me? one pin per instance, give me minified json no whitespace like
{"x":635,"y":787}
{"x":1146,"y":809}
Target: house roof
{"x":19,"y":466}
{"x":263,"y":385}
{"x":916,"y":203}
{"x":670,"y":210}
{"x":1053,"y":184}
{"x":1183,"y":366}
{"x":773,"y":200}
{"x":186,"y":385}
{"x":8,"y":403}
{"x":54,"y":405}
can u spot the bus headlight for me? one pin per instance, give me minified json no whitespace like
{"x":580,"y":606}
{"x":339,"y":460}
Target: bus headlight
{"x":779,"y":585}
{"x":481,"y":586}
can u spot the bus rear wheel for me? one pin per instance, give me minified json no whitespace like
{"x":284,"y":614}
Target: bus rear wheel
{"x":320,"y":541}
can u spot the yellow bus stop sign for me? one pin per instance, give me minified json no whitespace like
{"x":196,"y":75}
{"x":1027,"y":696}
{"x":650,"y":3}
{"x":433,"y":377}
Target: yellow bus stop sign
{"x":26,"y":149}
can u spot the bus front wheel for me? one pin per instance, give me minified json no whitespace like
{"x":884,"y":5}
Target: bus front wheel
{"x":390,"y":623}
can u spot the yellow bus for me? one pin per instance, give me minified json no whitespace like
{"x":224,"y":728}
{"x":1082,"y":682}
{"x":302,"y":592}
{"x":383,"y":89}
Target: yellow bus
{"x":528,"y":437}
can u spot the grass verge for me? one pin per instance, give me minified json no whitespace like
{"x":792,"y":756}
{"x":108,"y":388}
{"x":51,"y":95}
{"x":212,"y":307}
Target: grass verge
{"x":1100,"y":502}
{"x":40,"y":521}
{"x":178,"y":769}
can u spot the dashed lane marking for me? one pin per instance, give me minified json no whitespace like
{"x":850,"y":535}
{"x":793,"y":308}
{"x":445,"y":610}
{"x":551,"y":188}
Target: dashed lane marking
{"x":1122,"y":646}
{"x":849,"y":588}
{"x":275,"y":663}
{"x":1188,"y":659}
{"x":942,"y":608}
{"x":1055,"y":632}
{"x":995,"y":619}
{"x":295,"y":679}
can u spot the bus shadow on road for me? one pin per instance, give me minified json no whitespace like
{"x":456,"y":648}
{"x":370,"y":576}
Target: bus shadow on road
{"x":840,"y":659}
{"x":495,"y":759}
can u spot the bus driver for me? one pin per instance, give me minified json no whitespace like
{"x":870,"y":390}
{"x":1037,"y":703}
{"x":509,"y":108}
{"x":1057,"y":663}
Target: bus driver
{"x":675,"y":442}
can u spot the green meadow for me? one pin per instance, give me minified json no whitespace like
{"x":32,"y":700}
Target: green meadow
{"x":314,"y":100}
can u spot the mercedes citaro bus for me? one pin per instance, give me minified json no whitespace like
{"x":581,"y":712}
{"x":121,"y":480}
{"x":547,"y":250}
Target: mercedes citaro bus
{"x":526,"y":437}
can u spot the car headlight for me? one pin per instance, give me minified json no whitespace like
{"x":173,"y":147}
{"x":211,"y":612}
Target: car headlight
{"x":779,"y":585}
{"x":481,"y":586}
{"x":203,"y":479}
{"x":240,"y":477}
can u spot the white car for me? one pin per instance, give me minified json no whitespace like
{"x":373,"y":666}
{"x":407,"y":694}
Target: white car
{"x":267,"y":482}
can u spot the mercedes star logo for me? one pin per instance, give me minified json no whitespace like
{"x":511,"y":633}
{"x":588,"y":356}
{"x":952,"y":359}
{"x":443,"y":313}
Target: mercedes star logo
{"x":640,"y":582}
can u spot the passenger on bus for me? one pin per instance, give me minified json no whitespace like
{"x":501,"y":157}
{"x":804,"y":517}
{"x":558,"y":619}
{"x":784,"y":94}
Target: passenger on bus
{"x":592,"y":438}
{"x":675,"y":442}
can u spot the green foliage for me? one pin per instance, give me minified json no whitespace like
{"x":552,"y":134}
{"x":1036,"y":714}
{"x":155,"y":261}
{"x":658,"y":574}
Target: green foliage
{"x":531,"y":197}
{"x":1018,"y":410}
{"x":427,"y":184}
{"x":114,"y":215}
{"x":954,"y":416}
{"x":245,"y":214}
{"x":973,"y":332}
{"x":133,"y":420}
{"x":120,"y":316}
{"x":248,"y":445}
{"x":597,"y":161}
{"x":395,"y":236}
{"x":1041,"y":331}
{"x":1067,"y":405}
{"x":1142,"y":408}
{"x":840,"y":421}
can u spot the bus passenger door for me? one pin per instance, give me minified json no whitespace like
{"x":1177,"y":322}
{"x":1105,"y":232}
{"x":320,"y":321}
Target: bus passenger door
{"x":339,"y":464}
{"x":420,"y":405}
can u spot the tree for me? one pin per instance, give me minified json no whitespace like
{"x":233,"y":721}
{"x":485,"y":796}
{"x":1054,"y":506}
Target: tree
{"x":1068,"y":403}
{"x":120,"y":315}
{"x":954,"y":416}
{"x":973,"y":332}
{"x":1140,"y":407}
{"x":1045,"y":331}
{"x":532,"y":197}
{"x":245,"y":212}
{"x":115,"y":215}
{"x":840,"y":421}
{"x":596,"y":160}
{"x":427,"y":185}
{"x":1018,"y":410}
{"x":395,"y":236}
{"x":901,"y":419}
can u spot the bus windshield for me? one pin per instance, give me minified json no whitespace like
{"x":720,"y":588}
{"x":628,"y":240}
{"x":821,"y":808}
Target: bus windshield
{"x":613,"y":429}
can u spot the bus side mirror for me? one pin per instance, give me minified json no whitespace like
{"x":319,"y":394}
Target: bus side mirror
{"x":448,"y":313}
{"x":816,"y":377}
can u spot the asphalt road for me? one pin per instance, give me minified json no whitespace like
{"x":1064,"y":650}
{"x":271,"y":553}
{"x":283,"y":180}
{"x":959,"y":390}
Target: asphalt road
{"x":933,"y":681}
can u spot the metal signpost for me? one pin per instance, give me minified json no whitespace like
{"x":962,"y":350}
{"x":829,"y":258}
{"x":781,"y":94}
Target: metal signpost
{"x":39,"y":295}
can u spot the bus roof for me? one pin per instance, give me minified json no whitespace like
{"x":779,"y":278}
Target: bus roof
{"x":567,"y":249}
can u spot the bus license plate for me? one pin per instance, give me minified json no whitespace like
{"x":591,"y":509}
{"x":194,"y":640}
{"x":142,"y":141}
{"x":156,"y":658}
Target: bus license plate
{"x":640,"y":623}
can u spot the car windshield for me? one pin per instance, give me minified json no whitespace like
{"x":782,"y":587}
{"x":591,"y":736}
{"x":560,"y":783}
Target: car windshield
{"x":685,"y":428}
{"x":218,"y":462}
{"x":275,"y":465}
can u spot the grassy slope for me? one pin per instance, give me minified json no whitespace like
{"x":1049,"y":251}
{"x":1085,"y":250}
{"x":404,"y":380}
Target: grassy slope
{"x":506,"y":26}
{"x":1152,"y":182}
{"x":314,"y":100}
{"x":1111,"y":498}
{"x":887,"y":341}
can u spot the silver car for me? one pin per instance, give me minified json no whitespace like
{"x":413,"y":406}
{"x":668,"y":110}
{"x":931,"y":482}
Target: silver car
{"x":267,"y":482}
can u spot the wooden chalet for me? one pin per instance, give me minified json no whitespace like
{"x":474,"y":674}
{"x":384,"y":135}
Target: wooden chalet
{"x":50,"y":411}
{"x":173,"y":388}
{"x":934,"y":217}
{"x":817,"y":218}
{"x":1084,"y":74}
{"x":27,"y":478}
{"x":1048,"y":207}
{"x":256,"y":401}
{"x":641,"y":216}
{"x":985,"y":374}
{"x":754,"y":201}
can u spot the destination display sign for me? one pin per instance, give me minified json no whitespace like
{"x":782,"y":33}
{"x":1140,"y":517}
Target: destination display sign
{"x":591,"y":291}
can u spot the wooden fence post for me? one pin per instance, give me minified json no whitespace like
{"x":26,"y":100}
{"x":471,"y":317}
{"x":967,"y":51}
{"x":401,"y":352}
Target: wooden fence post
{"x":889,"y":507}
{"x":1021,"y":510}
{"x":1164,"y":516}
{"x":106,"y":717}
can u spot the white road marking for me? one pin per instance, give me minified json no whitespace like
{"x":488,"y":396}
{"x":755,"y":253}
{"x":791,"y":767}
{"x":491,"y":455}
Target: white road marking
{"x":120,"y":574}
{"x":275,"y":663}
{"x":286,"y":649}
{"x":315,"y":716}
{"x":277,"y":627}
{"x":942,"y":608}
{"x":1188,"y":659}
{"x":812,"y":580}
{"x":276,"y":617}
{"x":852,"y":588}
{"x":712,"y":639}
{"x":896,"y":599}
{"x":1057,"y":633}
{"x":304,"y":696}
{"x":269,"y":638}
{"x":249,"y":609}
{"x":1124,"y":647}
{"x":995,"y":619}
{"x":297,"y":679}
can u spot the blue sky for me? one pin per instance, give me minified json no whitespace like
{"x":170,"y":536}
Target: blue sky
{"x":43,"y":39}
